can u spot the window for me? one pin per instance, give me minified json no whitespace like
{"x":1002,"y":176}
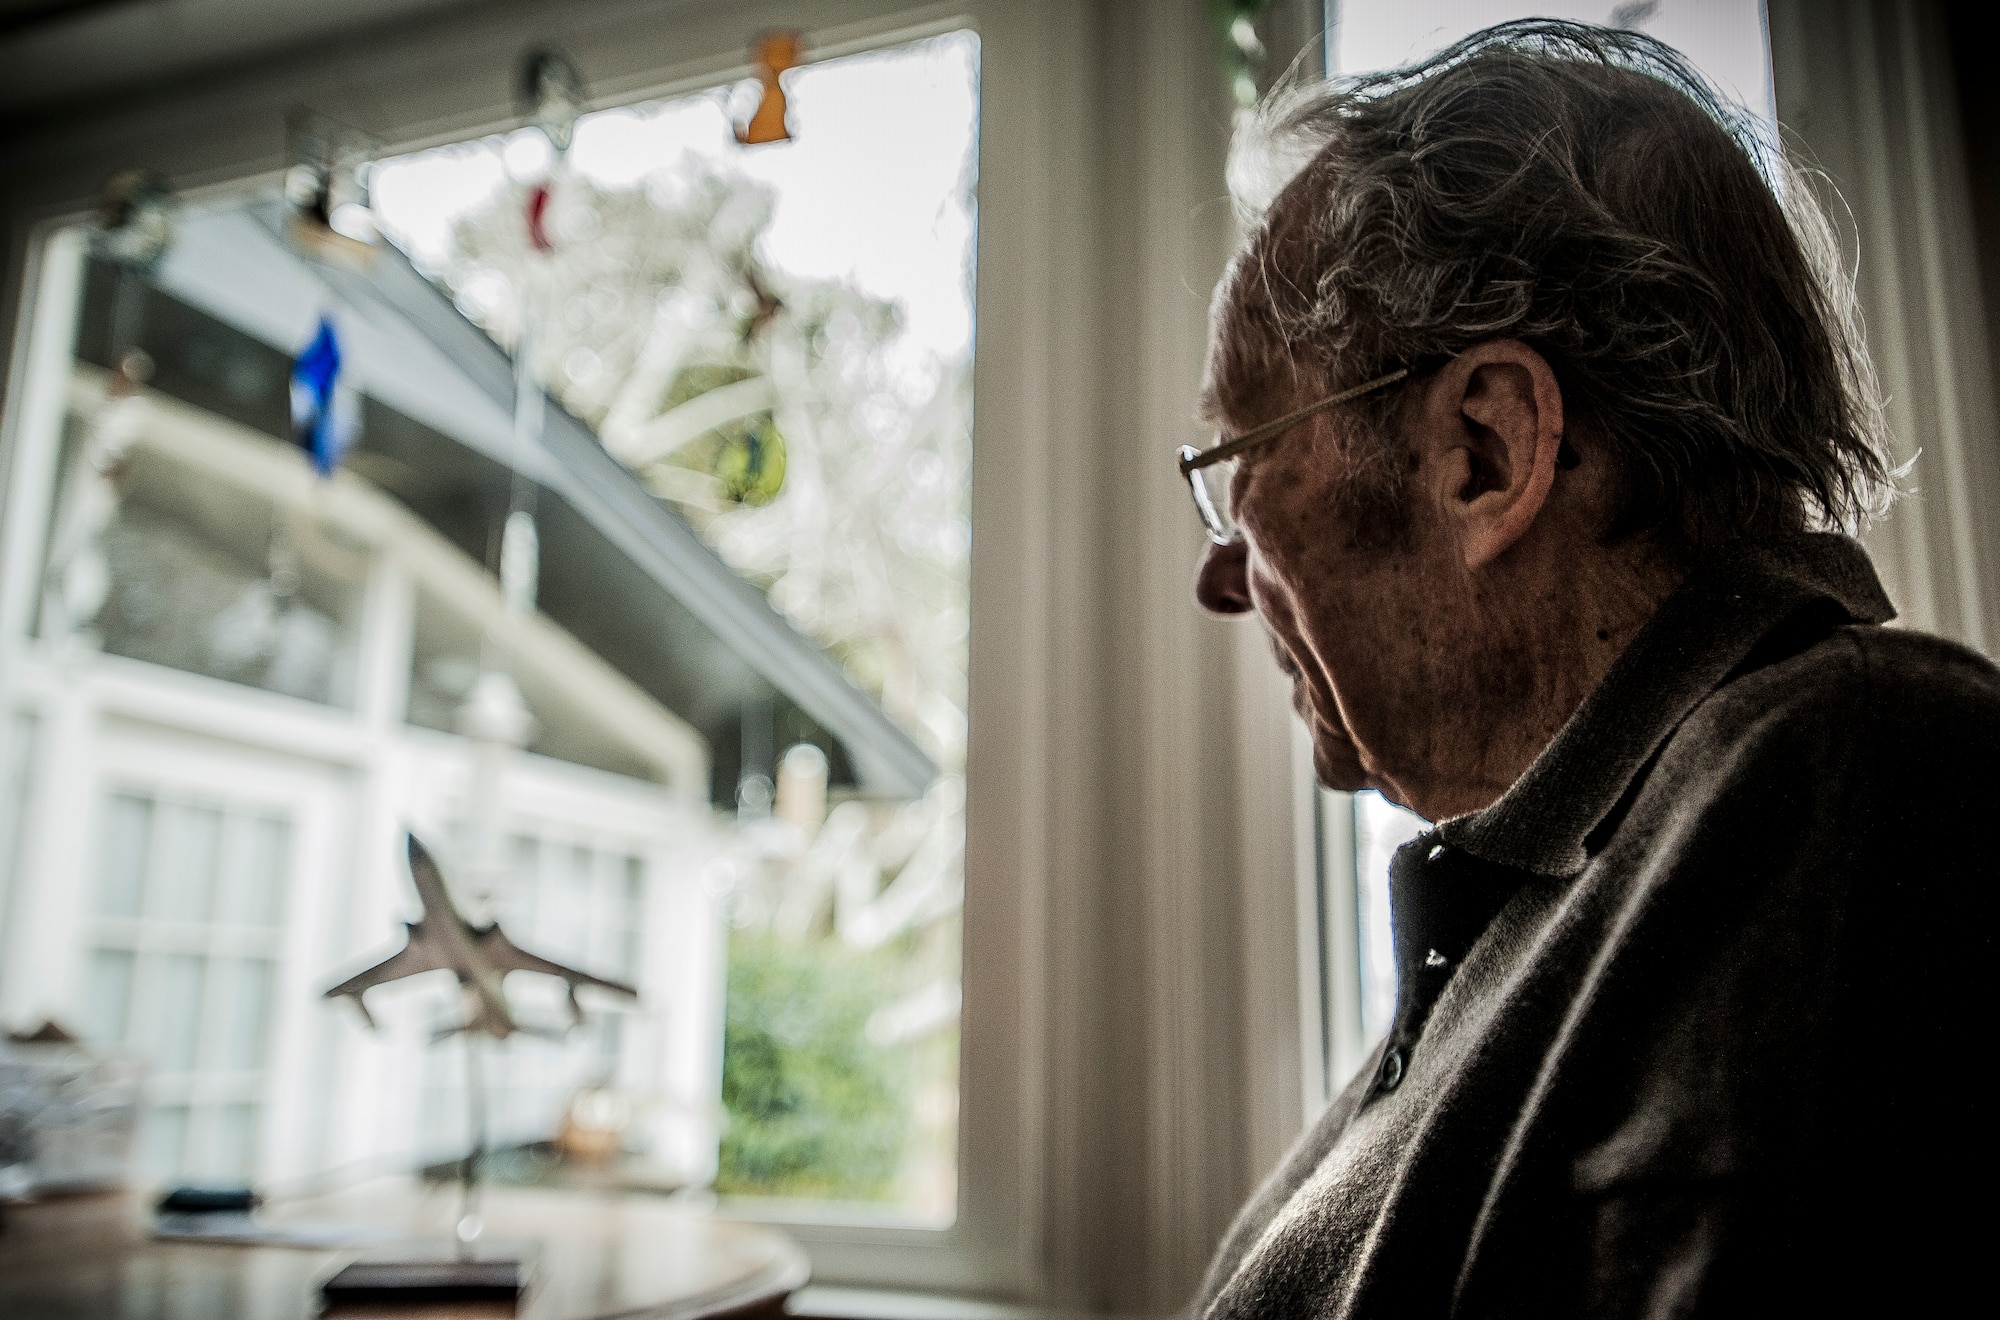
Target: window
{"x":752,"y":810}
{"x":777,"y":343}
{"x":185,"y":935}
{"x":657,"y":726}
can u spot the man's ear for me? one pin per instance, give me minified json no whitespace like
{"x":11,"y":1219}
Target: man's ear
{"x":1491,"y":431}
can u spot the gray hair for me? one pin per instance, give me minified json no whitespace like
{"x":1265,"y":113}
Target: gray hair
{"x":1585,"y":191}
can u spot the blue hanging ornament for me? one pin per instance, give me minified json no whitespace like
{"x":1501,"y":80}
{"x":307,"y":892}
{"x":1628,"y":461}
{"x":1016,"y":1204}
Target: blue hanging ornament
{"x":322,"y":416}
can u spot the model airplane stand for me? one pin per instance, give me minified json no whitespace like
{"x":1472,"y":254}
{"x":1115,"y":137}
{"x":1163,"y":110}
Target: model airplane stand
{"x":435,"y":1273}
{"x":467,"y":1268}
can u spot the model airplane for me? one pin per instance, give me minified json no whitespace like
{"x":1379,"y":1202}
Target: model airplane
{"x":480,"y":956}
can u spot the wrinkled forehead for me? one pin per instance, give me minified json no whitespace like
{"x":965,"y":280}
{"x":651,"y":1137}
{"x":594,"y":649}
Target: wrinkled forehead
{"x":1253,"y":371}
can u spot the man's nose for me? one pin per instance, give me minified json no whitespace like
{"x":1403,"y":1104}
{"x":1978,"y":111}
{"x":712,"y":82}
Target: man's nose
{"x":1222,"y":583}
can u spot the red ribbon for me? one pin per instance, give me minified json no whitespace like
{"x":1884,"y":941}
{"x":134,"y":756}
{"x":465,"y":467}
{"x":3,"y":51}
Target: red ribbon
{"x":538,"y":213}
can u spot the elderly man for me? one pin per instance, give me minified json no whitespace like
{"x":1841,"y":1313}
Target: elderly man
{"x":1540,"y":399}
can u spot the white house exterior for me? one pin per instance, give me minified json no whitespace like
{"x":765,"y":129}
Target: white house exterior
{"x":195,"y":859}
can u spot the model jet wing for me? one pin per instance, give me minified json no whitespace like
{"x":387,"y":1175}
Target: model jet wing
{"x":504,"y":956}
{"x":480,"y":957}
{"x":414,"y":957}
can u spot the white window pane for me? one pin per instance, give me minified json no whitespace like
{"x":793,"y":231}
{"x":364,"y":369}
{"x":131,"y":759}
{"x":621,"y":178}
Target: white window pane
{"x":128,"y":830}
{"x":565,"y":924}
{"x":515,"y":903}
{"x":177,"y":1028}
{"x":232,"y":1145}
{"x":162,"y":1143}
{"x":243,"y":1010}
{"x":107,"y":997}
{"x":256,"y":874}
{"x":187,"y":865}
{"x":631,"y":918}
{"x":186,"y":593}
{"x":1380,"y":827}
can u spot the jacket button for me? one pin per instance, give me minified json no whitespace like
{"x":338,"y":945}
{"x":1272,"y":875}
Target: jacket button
{"x":1392,"y":1069}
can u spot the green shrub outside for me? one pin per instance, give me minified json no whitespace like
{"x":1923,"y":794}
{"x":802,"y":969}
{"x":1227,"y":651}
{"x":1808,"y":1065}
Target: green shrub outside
{"x":814,"y":1109}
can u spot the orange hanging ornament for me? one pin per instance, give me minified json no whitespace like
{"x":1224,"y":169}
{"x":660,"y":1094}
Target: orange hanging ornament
{"x":773,"y":54}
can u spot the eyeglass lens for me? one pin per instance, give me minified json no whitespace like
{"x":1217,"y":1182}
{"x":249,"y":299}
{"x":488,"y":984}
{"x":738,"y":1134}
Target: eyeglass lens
{"x":1210,"y":486}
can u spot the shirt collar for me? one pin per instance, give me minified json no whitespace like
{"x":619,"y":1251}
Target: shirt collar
{"x":1738,"y":595}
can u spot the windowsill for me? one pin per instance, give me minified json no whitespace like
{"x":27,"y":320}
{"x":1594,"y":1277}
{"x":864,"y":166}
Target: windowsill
{"x":795,"y":1212}
{"x":826,"y":1302}
{"x":823,"y":1302}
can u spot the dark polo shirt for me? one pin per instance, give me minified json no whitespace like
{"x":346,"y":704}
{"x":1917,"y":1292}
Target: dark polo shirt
{"x":1693,"y":1021}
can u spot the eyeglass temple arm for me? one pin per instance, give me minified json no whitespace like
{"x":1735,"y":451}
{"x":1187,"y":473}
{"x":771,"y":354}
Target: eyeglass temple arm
{"x":1231,"y":448}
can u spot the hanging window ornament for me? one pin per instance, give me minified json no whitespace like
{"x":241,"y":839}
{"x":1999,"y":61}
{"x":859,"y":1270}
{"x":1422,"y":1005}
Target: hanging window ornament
{"x":552,"y":92}
{"x":79,"y":573}
{"x":135,"y":220}
{"x":134,"y":228}
{"x":538,"y":218}
{"x":326,"y":185}
{"x":773,"y":55}
{"x":118,"y":421}
{"x":324,"y":416}
{"x":520,"y":562}
{"x":751,"y":462}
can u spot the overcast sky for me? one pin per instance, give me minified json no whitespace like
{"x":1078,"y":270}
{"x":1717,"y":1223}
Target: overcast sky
{"x":874,"y":190}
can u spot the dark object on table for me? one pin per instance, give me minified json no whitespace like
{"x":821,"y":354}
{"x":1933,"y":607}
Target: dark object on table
{"x":208,"y":1201}
{"x":486,"y":1272}
{"x":228,"y":1216}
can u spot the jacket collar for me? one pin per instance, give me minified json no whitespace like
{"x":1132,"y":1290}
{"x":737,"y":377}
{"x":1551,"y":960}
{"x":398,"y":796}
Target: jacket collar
{"x":1738,"y":595}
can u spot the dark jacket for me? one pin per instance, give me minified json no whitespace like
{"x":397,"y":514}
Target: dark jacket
{"x":1690,"y":1022}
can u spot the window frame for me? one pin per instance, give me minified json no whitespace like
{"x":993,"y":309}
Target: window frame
{"x":420,"y":90}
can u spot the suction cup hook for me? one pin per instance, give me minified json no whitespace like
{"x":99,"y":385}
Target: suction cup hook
{"x":326,"y":185}
{"x":135,"y":219}
{"x":552,"y":90}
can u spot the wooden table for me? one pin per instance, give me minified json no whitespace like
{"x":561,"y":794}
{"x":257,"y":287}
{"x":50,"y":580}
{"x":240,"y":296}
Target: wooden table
{"x":601,"y":1255}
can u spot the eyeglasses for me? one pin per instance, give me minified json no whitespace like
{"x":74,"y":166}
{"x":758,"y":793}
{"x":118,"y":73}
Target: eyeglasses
{"x":1211,"y":499}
